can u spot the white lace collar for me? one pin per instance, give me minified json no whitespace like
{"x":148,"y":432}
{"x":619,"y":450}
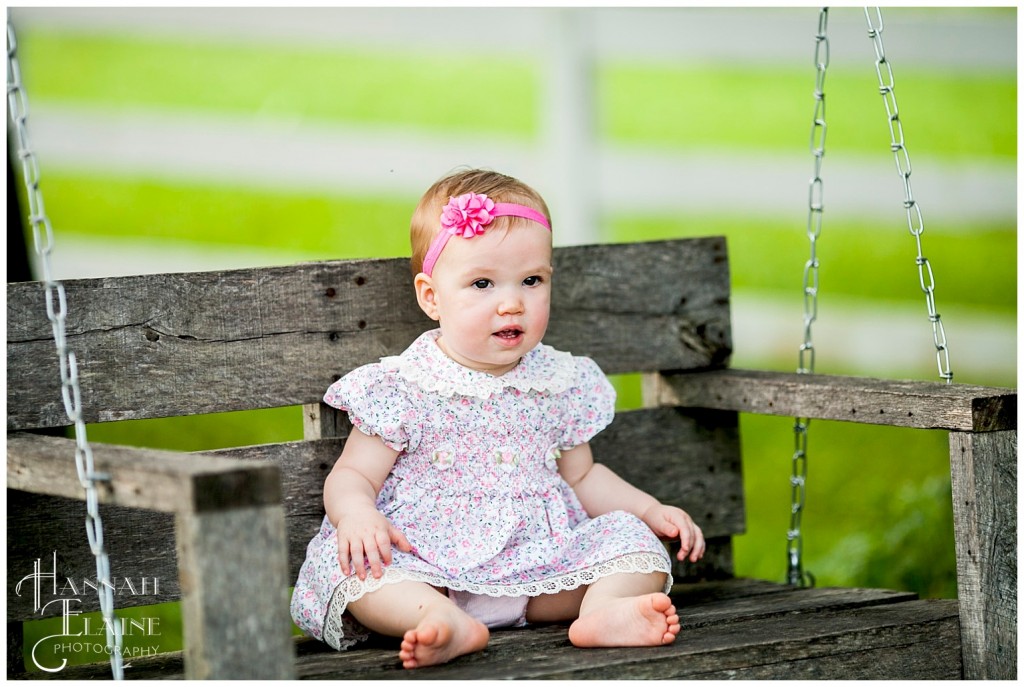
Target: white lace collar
{"x":427,"y":366}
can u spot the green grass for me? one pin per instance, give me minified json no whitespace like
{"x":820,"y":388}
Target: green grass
{"x":878,"y":509}
{"x":748,"y":108}
{"x":149,"y":629}
{"x":332,"y":226}
{"x":431,"y":90}
{"x":204,"y":432}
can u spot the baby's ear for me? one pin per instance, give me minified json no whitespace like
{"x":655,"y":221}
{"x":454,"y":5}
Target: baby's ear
{"x":426,"y":296}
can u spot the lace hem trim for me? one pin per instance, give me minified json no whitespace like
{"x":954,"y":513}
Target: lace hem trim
{"x":342,"y":631}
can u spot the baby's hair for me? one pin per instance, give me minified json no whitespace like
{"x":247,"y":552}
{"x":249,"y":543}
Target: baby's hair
{"x":426,"y":219}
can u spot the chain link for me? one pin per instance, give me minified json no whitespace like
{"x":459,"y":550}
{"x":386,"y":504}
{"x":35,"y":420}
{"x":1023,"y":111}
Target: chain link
{"x":56,"y":312}
{"x":795,"y":574}
{"x":915,"y":223}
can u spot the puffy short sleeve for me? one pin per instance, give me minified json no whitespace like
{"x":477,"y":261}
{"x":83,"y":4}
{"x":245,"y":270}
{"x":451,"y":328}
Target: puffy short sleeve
{"x":376,"y":402}
{"x":590,"y":404}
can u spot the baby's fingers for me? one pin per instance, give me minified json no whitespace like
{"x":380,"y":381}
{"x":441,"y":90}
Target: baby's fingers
{"x":358,"y":558}
{"x":692,"y":543}
{"x":398,"y":539}
{"x":679,"y":525}
{"x":343,"y":557}
{"x":373,"y":557}
{"x":382,"y":546}
{"x":350,"y":557}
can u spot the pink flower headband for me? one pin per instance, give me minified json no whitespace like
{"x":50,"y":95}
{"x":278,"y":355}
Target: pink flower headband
{"x":468,"y":215}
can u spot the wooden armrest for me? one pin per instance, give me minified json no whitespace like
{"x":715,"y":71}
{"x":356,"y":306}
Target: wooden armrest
{"x":162,"y":481}
{"x":230,"y":539}
{"x":919,"y":404}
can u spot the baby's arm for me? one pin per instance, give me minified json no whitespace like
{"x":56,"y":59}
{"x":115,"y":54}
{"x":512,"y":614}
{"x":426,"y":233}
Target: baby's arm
{"x":350,"y":495}
{"x":601,"y":491}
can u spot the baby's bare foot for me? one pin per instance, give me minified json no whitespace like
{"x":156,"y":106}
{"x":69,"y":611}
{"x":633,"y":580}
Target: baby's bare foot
{"x":648,"y":620}
{"x":442,"y":635}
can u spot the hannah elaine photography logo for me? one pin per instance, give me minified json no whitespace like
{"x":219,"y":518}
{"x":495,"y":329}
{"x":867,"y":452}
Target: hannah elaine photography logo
{"x":54,"y":597}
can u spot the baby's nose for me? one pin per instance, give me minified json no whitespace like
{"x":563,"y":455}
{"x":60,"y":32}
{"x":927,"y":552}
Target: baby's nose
{"x":510,"y":304}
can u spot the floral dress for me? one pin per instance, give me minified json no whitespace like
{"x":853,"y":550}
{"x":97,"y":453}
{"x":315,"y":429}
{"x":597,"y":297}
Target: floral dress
{"x":476,"y":488}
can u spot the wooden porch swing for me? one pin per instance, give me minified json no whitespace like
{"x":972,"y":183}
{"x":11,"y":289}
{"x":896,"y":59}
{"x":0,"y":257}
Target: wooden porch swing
{"x":238,"y":520}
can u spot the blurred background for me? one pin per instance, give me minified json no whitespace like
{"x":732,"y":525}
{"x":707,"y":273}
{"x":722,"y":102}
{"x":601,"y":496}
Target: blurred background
{"x":182,"y":139}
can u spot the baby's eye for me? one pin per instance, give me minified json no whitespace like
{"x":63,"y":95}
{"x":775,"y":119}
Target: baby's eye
{"x":533,"y":281}
{"x":481,"y":283}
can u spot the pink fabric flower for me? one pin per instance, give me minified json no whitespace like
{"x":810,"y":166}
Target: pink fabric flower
{"x":467,"y":215}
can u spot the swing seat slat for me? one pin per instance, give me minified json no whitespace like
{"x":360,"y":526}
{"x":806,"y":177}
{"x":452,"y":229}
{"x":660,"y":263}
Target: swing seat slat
{"x":225,"y":531}
{"x":733,"y":629}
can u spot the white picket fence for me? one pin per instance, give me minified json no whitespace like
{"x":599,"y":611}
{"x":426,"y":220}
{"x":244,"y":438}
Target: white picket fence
{"x":583,"y":178}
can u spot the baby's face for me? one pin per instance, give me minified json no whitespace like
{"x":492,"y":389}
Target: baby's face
{"x":493,"y":296}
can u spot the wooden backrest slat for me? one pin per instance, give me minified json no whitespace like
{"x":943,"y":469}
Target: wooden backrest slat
{"x":183,"y":344}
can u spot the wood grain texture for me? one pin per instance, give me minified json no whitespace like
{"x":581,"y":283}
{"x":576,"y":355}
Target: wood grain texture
{"x":140,"y":544}
{"x":919,"y":404}
{"x":984,"y":471}
{"x":731,"y":629}
{"x":181,"y":344}
{"x":234,"y":581}
{"x":140,"y":478}
{"x":690,"y":459}
{"x":849,"y":634}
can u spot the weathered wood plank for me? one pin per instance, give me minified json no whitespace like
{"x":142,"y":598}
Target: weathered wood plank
{"x":687,"y":459}
{"x":208,"y":341}
{"x":321,"y":421}
{"x":700,"y":606}
{"x":736,"y":627}
{"x":260,"y":338}
{"x":872,"y":643}
{"x":984,"y":476}
{"x":673,"y":315}
{"x":919,"y":404}
{"x":140,"y":545}
{"x":168,"y":666}
{"x":818,"y":599}
{"x":686,"y":595}
{"x":230,"y":539}
{"x":161,"y":482}
{"x":15,"y":647}
{"x":791,"y":633}
{"x":234,"y":580}
{"x":909,"y":641}
{"x":140,"y":478}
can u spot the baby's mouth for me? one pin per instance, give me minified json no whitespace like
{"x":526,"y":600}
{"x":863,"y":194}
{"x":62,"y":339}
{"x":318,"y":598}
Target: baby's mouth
{"x":509,"y":333}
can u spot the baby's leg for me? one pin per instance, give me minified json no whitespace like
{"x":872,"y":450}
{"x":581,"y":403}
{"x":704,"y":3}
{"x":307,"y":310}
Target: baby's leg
{"x":433,"y":629}
{"x":627,"y":609}
{"x":555,"y":608}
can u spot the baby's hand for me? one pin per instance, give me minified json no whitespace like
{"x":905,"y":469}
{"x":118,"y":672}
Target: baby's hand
{"x":674,"y":523}
{"x":366,"y":537}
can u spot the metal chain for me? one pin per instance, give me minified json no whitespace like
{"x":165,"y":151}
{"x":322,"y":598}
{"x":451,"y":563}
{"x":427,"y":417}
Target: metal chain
{"x":795,"y":574}
{"x":915,"y":223}
{"x":56,"y":312}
